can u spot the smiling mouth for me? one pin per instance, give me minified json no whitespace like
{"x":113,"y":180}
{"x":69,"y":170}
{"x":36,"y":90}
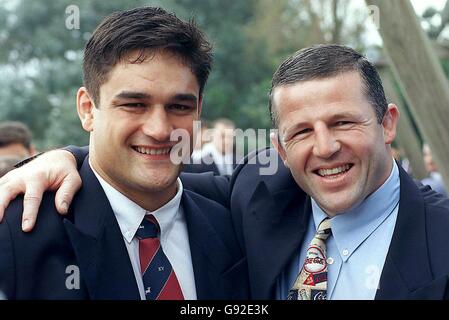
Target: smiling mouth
{"x":152,"y":151}
{"x":333,"y":172}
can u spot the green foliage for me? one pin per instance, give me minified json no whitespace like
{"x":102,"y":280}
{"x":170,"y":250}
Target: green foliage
{"x":41,"y":58}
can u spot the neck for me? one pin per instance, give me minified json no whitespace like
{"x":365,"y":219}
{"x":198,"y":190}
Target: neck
{"x":150,"y":200}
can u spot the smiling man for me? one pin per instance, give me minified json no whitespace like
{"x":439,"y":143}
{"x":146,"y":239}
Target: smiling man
{"x":365,"y":230}
{"x":335,"y":132}
{"x":341,"y":220}
{"x":331,"y":138}
{"x":133,"y":232}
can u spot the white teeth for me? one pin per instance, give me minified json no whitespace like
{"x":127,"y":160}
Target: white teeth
{"x":151,"y":151}
{"x":330,"y":172}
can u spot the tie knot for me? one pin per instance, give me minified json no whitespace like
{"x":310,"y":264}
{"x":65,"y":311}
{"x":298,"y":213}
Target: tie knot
{"x":324,"y":228}
{"x":149,"y":228}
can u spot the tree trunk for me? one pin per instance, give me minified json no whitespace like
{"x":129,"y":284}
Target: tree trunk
{"x":406,"y":134}
{"x":419,"y":74}
{"x":338,"y":23}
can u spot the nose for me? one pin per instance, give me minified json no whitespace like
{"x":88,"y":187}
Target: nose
{"x":157,"y":124}
{"x":325,"y":144}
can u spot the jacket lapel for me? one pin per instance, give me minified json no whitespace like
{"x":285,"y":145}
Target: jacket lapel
{"x":407,"y":270}
{"x":98,"y":243}
{"x":275,"y":225}
{"x":212,"y":261}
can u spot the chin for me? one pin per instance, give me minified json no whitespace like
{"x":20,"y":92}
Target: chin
{"x":162,"y":182}
{"x":335,"y":208}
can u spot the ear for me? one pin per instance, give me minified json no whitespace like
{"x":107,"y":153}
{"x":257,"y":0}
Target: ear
{"x":276,"y":141}
{"x":85,"y":107}
{"x":389,"y":123}
{"x":32,"y":150}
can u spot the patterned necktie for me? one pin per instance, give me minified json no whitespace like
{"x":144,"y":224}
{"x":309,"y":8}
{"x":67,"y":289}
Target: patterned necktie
{"x":159,"y":278}
{"x":311,"y":283}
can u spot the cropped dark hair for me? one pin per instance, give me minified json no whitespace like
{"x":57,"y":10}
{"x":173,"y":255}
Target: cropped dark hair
{"x":12,"y":132}
{"x":146,"y":30}
{"x":323,"y":61}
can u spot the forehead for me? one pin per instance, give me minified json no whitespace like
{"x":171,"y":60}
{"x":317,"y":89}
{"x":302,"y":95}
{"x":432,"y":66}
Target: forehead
{"x":321,"y":97}
{"x":160,"y":73}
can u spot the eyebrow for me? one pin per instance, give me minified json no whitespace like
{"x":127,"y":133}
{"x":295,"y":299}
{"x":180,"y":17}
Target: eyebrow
{"x":185,"y":97}
{"x":343,"y":115}
{"x":287,"y":131}
{"x":334,"y":117}
{"x":144,"y":96}
{"x":132,"y":95}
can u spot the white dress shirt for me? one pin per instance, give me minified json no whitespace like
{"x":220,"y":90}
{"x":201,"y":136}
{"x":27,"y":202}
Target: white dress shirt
{"x":174,"y":235}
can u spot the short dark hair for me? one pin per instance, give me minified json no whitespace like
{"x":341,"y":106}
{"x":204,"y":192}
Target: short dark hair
{"x":147,"y":30}
{"x":12,"y":132}
{"x":323,"y":61}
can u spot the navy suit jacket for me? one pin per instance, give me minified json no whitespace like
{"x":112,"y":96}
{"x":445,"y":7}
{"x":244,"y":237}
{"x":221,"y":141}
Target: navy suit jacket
{"x":40,"y":264}
{"x":271,"y":214}
{"x":207,"y":165}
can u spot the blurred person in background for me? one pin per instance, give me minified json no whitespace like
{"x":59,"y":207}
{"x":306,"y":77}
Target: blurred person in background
{"x":15,"y":140}
{"x":218,"y":155}
{"x":201,"y":139}
{"x":7,"y":164}
{"x":434,"y":180}
{"x":396,"y":152}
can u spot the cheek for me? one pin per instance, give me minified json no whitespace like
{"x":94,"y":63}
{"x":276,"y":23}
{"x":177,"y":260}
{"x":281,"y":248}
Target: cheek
{"x":296,"y":157}
{"x":362,"y":145}
{"x":117,"y":132}
{"x":185,"y":124}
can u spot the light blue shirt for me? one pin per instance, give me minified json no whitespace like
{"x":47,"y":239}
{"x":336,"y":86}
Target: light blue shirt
{"x":357,"y":247}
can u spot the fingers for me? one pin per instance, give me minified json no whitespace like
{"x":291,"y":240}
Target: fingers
{"x":8,"y":192}
{"x":64,"y":196}
{"x":31,"y":202}
{"x":36,"y":177}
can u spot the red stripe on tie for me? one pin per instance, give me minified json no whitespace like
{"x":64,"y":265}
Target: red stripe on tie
{"x":147,"y":250}
{"x":171,"y":289}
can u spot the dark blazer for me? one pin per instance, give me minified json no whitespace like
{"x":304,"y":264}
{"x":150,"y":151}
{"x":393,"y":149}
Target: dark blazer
{"x":272,"y":213}
{"x":34,"y":265}
{"x":207,"y":165}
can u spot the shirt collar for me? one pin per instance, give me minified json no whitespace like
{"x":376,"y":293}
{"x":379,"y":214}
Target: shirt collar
{"x":129,"y":214}
{"x":350,"y":229}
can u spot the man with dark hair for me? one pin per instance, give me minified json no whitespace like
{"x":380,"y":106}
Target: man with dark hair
{"x":15,"y":140}
{"x":133,"y":231}
{"x":341,"y":220}
{"x":327,"y":61}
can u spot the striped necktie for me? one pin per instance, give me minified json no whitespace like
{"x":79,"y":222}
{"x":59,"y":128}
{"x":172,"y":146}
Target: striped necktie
{"x":159,"y":278}
{"x":311,"y":283}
